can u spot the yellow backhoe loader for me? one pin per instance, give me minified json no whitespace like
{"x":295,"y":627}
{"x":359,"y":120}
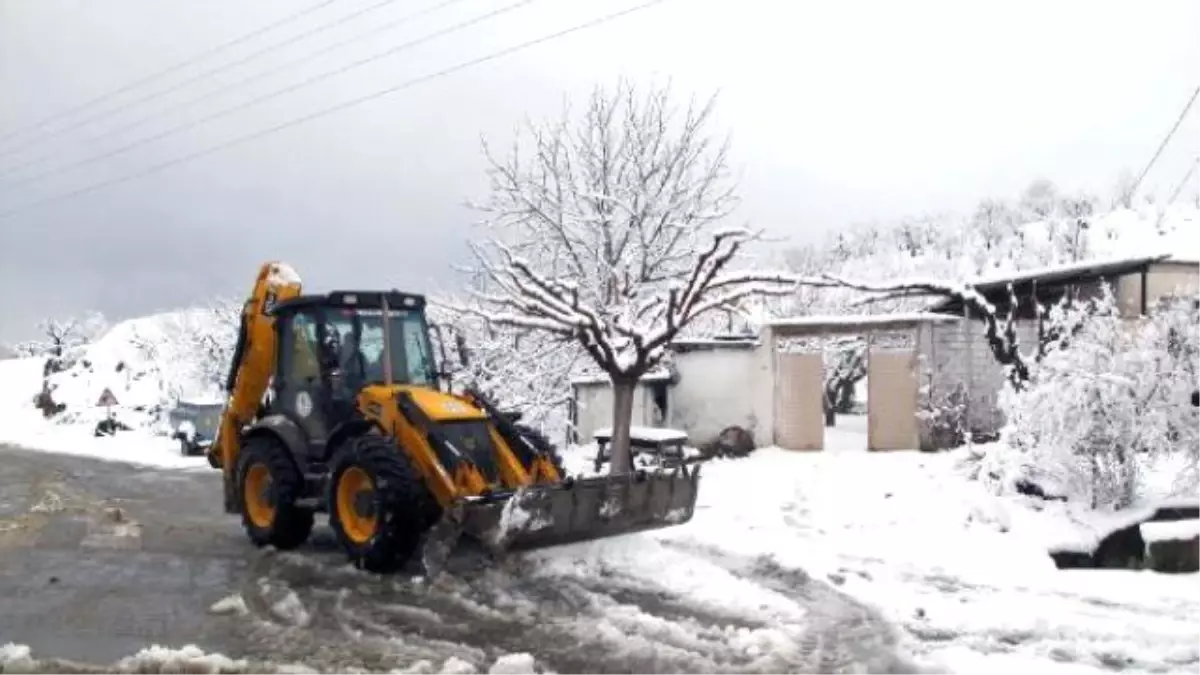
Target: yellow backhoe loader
{"x":336,"y":405}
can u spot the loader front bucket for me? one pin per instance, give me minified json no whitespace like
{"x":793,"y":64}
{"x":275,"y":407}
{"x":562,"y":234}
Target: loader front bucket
{"x":574,"y":510}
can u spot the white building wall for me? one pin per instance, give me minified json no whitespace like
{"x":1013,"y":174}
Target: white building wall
{"x":715,"y":390}
{"x":594,"y":406}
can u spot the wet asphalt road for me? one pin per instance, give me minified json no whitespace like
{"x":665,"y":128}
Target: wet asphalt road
{"x":99,"y":560}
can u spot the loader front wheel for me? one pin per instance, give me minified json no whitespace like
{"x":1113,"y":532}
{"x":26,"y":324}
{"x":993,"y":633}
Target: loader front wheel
{"x":268,"y":486}
{"x":378,"y":504}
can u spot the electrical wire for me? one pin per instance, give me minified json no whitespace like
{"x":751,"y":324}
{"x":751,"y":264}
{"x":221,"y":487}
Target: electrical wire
{"x":1161,"y":146}
{"x":268,"y":96}
{"x":209,"y":73}
{"x":291,"y":64}
{"x":170,"y":69}
{"x":1183,"y":183}
{"x":407,"y":84}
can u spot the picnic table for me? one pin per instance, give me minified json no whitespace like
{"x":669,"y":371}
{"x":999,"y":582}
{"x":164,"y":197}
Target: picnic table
{"x":665,"y":445}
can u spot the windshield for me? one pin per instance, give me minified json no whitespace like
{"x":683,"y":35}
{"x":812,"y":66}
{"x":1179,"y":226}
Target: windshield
{"x":359,"y":338}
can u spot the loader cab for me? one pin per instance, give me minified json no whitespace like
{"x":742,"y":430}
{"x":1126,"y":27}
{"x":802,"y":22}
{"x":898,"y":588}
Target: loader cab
{"x":331,"y":346}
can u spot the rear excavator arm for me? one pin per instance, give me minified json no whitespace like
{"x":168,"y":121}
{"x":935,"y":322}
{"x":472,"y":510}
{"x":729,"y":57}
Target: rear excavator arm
{"x":253,"y":362}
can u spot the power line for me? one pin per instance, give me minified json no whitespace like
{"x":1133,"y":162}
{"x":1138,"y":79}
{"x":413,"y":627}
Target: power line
{"x":170,"y":69}
{"x":329,"y":110}
{"x":1183,"y":183}
{"x":1175,"y":193}
{"x":187,"y":103}
{"x":1163,"y":145}
{"x":204,"y":75}
{"x":270,"y":95}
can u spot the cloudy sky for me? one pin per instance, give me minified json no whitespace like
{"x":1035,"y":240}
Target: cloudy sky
{"x":840,"y":112}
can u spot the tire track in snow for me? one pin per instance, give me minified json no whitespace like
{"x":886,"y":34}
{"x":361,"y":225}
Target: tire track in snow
{"x":612,"y":621}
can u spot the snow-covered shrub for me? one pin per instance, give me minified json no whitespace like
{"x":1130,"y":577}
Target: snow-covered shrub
{"x":1107,"y":413}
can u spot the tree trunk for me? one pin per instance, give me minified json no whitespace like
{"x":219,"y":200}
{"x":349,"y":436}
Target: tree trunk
{"x":845,"y":399}
{"x":830,"y":413}
{"x":622,"y":455}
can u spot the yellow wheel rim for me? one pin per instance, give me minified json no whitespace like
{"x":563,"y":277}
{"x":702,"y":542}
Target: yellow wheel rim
{"x":256,"y":495}
{"x":355,"y":491}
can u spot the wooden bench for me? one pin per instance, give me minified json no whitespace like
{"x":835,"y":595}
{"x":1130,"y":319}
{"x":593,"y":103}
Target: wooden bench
{"x":666,"y":444}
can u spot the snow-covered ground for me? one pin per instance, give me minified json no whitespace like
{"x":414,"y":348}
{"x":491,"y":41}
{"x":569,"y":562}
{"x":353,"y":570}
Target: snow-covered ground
{"x":966,"y":574}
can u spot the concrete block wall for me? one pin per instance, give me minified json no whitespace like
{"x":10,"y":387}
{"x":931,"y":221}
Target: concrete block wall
{"x":957,"y":357}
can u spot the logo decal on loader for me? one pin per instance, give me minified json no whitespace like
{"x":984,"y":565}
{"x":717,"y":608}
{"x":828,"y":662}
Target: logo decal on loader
{"x":304,"y":404}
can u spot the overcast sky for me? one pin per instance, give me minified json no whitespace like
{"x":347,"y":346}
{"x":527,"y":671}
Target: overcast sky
{"x":840,"y":112}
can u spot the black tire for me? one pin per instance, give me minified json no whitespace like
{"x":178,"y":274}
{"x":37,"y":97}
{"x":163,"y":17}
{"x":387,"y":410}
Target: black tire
{"x":543,"y":445}
{"x":402,"y":505}
{"x":290,"y":525}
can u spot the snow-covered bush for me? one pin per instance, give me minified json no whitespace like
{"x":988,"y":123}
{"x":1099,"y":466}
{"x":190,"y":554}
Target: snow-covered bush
{"x":1107,"y":413}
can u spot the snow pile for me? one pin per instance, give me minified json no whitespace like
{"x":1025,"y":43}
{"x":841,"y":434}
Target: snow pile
{"x":513,"y":664}
{"x":189,"y":659}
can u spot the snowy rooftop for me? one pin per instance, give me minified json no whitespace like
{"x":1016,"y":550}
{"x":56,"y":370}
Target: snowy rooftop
{"x":855,"y":322}
{"x":1065,"y":274}
{"x":1069,"y":271}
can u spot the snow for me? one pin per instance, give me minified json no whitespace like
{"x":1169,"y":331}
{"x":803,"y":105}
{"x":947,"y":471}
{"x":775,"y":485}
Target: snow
{"x":1064,"y":269}
{"x":513,"y":664}
{"x":656,"y":375}
{"x":645,"y":434}
{"x":1171,"y":530}
{"x":188,"y":659}
{"x":283,"y":274}
{"x":863,"y":320}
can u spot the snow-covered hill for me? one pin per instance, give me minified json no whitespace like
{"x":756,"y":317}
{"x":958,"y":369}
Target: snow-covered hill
{"x":147,"y":363}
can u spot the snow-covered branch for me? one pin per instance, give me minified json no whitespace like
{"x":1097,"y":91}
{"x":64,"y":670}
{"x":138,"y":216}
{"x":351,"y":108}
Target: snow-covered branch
{"x":999,"y":331}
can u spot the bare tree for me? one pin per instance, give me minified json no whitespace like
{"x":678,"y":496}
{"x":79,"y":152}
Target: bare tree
{"x":603,"y":231}
{"x":62,"y":337}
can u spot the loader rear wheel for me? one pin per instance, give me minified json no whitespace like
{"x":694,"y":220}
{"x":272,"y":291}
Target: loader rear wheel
{"x":378,"y":504}
{"x":268,"y":485}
